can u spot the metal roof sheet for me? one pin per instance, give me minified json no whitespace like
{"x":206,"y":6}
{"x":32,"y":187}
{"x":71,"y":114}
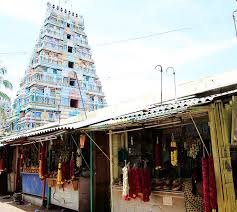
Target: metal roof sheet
{"x":118,"y":114}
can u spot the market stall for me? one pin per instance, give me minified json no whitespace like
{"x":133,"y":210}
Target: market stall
{"x":159,"y":168}
{"x":52,"y":169}
{"x":5,"y":168}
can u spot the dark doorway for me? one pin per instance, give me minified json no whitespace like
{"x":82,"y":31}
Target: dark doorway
{"x":102,"y":169}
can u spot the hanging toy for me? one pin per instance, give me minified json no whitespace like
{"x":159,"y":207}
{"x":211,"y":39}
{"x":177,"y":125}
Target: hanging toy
{"x":72,"y":166}
{"x":174,"y":151}
{"x":59,"y":175}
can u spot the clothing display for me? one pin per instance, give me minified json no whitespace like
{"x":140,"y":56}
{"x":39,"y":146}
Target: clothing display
{"x":205,"y":184}
{"x":209,"y":184}
{"x":174,"y":152}
{"x":138,"y":183}
{"x":125,"y":192}
{"x":157,"y":156}
{"x":72,"y":167}
{"x":212,"y":184}
{"x":168,"y":162}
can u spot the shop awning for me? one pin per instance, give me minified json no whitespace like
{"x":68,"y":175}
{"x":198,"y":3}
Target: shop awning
{"x":108,"y":117}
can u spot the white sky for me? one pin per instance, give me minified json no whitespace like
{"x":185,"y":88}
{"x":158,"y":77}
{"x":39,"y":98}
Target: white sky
{"x":127,"y":69}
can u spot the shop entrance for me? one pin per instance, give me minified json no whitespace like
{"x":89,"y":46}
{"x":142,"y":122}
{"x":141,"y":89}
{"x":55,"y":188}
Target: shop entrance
{"x":163,"y":167}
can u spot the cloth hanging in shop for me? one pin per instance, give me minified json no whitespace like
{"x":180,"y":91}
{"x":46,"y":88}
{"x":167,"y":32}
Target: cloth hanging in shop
{"x":2,"y":164}
{"x":139,"y":181}
{"x":21,"y":161}
{"x":131,"y":182}
{"x":205,"y":184}
{"x":125,"y":192}
{"x":157,"y":156}
{"x":63,"y":171}
{"x":72,"y":167}
{"x":146,"y":190}
{"x":78,"y":159}
{"x":67,"y":170}
{"x":212,"y":184}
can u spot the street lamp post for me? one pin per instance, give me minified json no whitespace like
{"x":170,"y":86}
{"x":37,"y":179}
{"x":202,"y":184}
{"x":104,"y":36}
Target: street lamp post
{"x":234,"y":18}
{"x":170,"y":67}
{"x":161,"y":70}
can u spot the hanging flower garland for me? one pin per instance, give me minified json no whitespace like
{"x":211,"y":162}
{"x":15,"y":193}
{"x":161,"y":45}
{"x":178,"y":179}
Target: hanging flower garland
{"x":59,"y":174}
{"x":42,"y":162}
{"x":125,"y":192}
{"x":174,"y":152}
{"x":72,"y":167}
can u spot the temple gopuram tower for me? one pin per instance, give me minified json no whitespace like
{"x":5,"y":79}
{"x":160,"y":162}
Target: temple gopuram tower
{"x":61,"y":79}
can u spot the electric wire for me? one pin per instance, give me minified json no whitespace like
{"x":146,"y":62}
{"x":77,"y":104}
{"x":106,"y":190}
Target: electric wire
{"x":120,"y":41}
{"x":143,"y":37}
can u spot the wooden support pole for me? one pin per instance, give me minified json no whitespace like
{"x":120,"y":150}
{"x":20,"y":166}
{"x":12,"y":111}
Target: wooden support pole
{"x":91,"y":175}
{"x":111,"y":168}
{"x":220,"y":137}
{"x":49,"y":169}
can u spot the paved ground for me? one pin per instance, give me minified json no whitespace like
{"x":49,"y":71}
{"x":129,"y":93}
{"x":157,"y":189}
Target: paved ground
{"x":8,"y":205}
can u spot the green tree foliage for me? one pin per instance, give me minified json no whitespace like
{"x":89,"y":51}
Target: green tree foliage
{"x":4,"y":83}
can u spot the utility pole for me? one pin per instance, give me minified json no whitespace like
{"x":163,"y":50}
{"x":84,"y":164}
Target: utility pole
{"x":175,"y":94}
{"x":161,"y":87}
{"x":234,"y":18}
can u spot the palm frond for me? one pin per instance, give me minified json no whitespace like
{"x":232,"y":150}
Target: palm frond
{"x":4,"y":96}
{"x":3,"y":70}
{"x":7,"y":84}
{"x":2,"y":113}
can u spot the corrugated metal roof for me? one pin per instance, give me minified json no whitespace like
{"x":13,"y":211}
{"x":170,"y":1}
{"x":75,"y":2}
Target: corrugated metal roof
{"x":154,"y":111}
{"x":119,"y":114}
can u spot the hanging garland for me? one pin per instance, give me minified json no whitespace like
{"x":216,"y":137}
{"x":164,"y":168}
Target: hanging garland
{"x":72,"y":167}
{"x":174,"y":152}
{"x":205,"y":183}
{"x":146,"y":184}
{"x":157,"y":155}
{"x":59,"y":175}
{"x":42,"y":162}
{"x":212,"y":184}
{"x":125,"y":192}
